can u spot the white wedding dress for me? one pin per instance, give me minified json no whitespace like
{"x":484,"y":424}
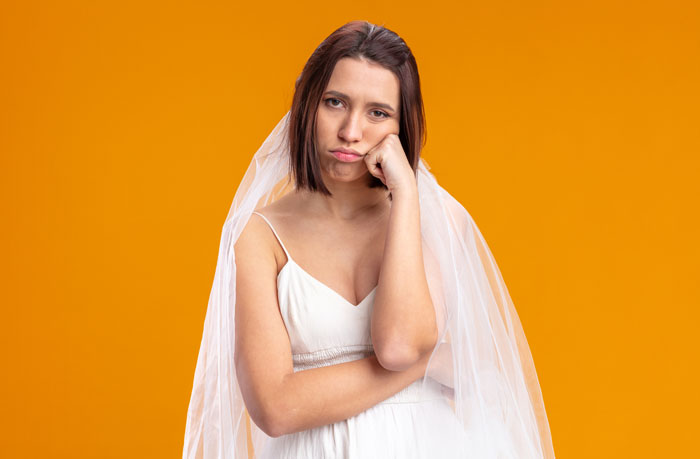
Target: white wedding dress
{"x":325,"y":329}
{"x":495,"y":409}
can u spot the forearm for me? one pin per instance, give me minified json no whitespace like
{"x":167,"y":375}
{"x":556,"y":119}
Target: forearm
{"x":320,"y":396}
{"x":403,"y":316}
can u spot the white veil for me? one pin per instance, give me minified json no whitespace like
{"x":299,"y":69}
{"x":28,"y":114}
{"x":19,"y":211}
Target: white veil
{"x":482,"y":357}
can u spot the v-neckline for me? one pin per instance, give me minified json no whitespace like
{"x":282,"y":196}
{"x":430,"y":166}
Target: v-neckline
{"x":290,"y":260}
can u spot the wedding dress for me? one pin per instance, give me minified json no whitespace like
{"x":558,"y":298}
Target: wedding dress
{"x":479,"y":396}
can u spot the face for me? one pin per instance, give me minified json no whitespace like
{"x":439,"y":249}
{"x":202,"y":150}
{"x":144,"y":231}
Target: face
{"x":358,"y":108}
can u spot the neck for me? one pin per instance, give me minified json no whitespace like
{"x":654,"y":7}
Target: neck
{"x":349,"y":200}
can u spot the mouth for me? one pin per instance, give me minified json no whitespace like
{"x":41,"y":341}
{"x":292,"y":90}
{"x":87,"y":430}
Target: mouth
{"x":346,"y":156}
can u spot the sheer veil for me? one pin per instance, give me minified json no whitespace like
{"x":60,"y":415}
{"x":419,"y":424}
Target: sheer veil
{"x":482,"y":357}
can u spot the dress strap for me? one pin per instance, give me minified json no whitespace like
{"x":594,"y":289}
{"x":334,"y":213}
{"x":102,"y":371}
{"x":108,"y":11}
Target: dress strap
{"x":276,"y":235}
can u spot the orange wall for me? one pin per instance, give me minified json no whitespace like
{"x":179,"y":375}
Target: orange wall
{"x":570,"y":133}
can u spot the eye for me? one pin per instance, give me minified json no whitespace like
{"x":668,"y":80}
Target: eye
{"x":381,"y":113}
{"x":330,"y":100}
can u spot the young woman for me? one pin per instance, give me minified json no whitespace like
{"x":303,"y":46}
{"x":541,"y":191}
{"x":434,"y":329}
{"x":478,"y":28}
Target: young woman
{"x":356,"y":310}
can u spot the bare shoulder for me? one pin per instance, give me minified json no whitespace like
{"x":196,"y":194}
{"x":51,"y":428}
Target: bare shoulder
{"x":257,"y":250}
{"x":253,"y":244}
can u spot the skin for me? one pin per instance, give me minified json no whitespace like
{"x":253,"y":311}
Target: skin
{"x":353,"y":241}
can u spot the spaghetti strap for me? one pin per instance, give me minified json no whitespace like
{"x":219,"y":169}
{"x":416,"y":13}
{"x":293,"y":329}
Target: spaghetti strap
{"x":276,"y":235}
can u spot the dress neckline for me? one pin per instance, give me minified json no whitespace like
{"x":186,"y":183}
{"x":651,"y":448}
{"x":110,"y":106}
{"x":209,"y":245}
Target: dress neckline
{"x":306,"y":273}
{"x":332,"y":291}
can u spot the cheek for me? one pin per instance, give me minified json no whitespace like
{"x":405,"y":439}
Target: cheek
{"x":394,"y":128}
{"x":385,"y":130}
{"x":323,"y":128}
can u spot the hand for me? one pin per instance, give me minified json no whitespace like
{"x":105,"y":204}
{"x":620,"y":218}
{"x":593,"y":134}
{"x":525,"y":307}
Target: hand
{"x":388,"y":162}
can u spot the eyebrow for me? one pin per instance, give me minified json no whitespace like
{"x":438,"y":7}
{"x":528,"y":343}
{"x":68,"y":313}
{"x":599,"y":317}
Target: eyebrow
{"x":345,"y":96}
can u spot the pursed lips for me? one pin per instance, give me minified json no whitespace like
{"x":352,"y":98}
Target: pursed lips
{"x":347,"y":151}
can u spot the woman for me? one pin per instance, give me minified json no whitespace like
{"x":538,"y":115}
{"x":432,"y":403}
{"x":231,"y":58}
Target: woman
{"x":356,"y":310}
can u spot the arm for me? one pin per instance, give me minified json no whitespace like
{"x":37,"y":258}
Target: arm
{"x":325,"y":395}
{"x":403,"y":318}
{"x":279,"y":400}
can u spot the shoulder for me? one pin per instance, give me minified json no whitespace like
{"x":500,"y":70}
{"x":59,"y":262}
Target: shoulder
{"x":254,"y":241}
{"x":257,"y":241}
{"x":284,"y":211}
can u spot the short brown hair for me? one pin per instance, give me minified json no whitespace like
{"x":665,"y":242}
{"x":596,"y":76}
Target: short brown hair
{"x":357,"y":39}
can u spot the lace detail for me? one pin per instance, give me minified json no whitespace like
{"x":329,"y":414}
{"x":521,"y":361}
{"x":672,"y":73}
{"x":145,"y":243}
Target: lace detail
{"x":331,"y":356}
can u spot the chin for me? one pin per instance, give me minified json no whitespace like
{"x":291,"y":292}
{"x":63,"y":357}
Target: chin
{"x":347,"y":178}
{"x":349,"y":174}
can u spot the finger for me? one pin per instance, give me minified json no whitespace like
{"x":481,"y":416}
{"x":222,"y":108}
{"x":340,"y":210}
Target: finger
{"x":379,"y":145}
{"x":376,"y":170}
{"x":374,"y":167}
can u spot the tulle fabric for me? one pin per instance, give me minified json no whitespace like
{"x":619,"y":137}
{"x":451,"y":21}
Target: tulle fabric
{"x":482,"y":357}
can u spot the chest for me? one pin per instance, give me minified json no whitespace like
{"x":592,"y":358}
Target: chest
{"x":345,"y":260}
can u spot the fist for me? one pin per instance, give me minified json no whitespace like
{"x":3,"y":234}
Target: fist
{"x":388,"y":162}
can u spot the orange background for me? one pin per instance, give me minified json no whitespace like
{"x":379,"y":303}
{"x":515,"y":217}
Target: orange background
{"x":569,"y":131}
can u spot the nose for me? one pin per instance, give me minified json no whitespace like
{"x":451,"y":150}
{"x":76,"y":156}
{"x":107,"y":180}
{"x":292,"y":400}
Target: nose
{"x":351,"y":129}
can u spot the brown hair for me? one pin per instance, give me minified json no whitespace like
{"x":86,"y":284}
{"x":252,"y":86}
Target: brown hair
{"x":357,"y":39}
